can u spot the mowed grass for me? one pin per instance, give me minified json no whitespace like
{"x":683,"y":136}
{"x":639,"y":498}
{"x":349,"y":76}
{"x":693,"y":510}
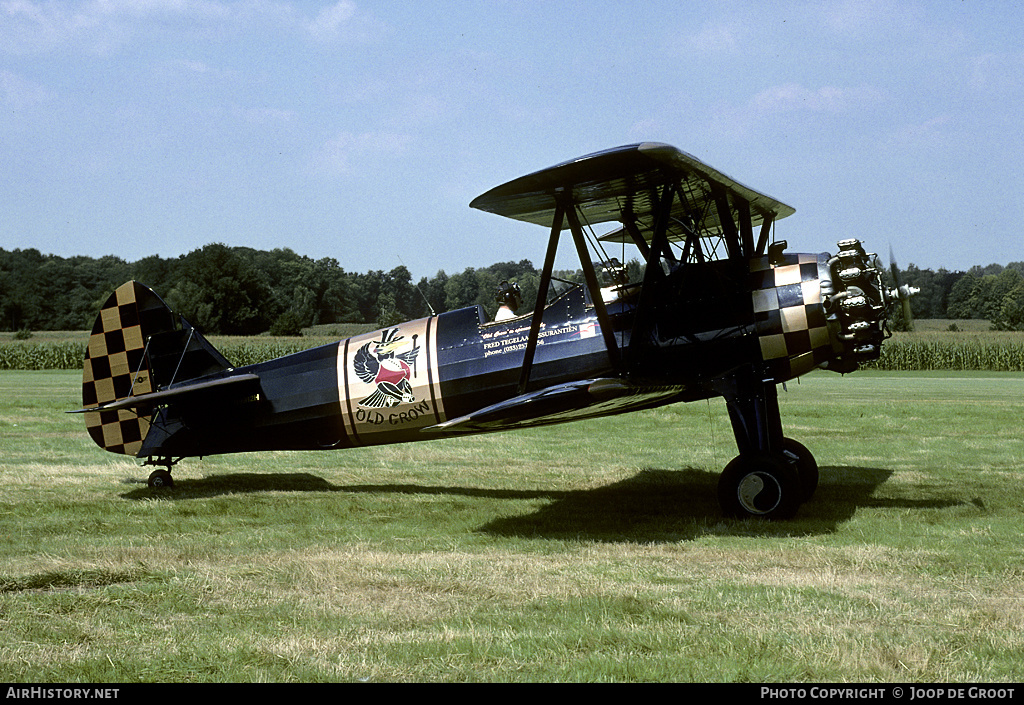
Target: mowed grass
{"x":586,"y":552}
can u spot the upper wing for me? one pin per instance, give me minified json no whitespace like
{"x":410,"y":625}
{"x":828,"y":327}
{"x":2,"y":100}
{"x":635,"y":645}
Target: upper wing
{"x":624,"y":184}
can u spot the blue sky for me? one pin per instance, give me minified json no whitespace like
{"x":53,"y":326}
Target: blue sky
{"x":362,"y":130}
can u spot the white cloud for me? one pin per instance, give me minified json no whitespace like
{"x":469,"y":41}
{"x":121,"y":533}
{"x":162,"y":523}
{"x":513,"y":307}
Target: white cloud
{"x":18,"y":92}
{"x":865,"y":18}
{"x":342,"y":153}
{"x":264,"y":116}
{"x":854,"y":16}
{"x":787,"y":107}
{"x":99,"y":26}
{"x":717,"y":37}
{"x":192,"y":66}
{"x":997,"y":74}
{"x":646,"y":128}
{"x":330,"y":20}
{"x":933,"y":133}
{"x":793,"y":97}
{"x":104,"y":26}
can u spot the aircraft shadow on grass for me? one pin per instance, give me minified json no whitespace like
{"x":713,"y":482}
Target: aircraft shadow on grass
{"x":655,"y":505}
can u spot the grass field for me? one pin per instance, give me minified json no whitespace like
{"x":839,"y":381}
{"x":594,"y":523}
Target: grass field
{"x":585,"y":552}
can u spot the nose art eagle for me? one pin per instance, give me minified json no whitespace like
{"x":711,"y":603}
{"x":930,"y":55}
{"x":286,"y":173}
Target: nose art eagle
{"x":377,"y":362}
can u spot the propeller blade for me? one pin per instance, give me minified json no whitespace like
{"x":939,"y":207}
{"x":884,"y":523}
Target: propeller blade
{"x":893,"y":268}
{"x":902,"y":291}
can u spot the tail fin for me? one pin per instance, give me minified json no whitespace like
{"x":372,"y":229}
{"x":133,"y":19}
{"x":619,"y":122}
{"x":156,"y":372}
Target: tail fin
{"x":137,"y":347}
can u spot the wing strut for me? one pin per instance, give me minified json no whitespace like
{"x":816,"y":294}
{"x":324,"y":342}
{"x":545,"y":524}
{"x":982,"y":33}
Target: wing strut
{"x":542,"y":289}
{"x":766,"y":226}
{"x":594,"y":287}
{"x":729,"y":230}
{"x":629,"y":223}
{"x":746,"y":227}
{"x":565,"y":209}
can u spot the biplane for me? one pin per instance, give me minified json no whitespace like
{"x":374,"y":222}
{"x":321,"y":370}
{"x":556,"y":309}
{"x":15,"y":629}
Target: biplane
{"x":721,"y":310}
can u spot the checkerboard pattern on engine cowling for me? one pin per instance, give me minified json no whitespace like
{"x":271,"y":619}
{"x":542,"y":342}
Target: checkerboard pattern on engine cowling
{"x":113,"y":369}
{"x":791,"y":325}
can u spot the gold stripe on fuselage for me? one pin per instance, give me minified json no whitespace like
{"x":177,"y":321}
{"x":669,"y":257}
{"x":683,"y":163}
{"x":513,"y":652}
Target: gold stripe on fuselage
{"x":388,"y":382}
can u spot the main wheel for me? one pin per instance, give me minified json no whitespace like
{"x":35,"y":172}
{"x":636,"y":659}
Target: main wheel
{"x":160,"y":478}
{"x":761,"y":486}
{"x":806,"y":465}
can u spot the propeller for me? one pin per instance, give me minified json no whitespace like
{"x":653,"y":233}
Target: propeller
{"x":903,"y":292}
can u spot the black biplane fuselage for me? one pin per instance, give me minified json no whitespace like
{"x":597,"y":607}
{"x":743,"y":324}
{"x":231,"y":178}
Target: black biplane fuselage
{"x":719,"y":312}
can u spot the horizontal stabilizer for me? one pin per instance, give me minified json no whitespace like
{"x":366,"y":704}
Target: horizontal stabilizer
{"x":563,"y":402}
{"x":239,"y":384}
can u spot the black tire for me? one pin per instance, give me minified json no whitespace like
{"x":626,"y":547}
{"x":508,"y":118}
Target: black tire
{"x":806,"y":466}
{"x":759,"y":486}
{"x":159,"y":479}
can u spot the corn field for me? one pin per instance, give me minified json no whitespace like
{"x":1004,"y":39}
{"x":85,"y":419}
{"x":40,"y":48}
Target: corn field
{"x":988,"y":352}
{"x":69,"y":354}
{"x":991,"y":351}
{"x":63,"y":355}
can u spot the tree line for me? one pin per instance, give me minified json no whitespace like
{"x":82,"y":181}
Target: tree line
{"x":243,"y":291}
{"x":993,"y":293}
{"x":240,"y":290}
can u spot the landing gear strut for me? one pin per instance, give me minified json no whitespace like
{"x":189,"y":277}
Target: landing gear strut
{"x":772,"y":475}
{"x":806,"y":466}
{"x":161,"y":479}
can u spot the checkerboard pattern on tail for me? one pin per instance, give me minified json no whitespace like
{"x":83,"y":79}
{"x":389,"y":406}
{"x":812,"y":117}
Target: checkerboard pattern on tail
{"x":116,"y":365}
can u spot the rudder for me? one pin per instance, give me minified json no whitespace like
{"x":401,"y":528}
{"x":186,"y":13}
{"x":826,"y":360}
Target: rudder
{"x":117,"y":366}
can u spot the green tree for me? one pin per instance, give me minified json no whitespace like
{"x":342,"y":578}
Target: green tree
{"x":21,"y":290}
{"x":461,"y":289}
{"x":433,"y":291}
{"x":308,"y":292}
{"x":529,"y":283}
{"x":388,"y":313}
{"x":155,"y":272}
{"x":1011,"y":310}
{"x":400,"y":295}
{"x":964,"y":297}
{"x":221,"y":291}
{"x":997,"y":288}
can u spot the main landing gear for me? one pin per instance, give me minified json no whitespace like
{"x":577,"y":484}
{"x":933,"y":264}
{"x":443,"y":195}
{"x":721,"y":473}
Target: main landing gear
{"x":161,"y":479}
{"x":773,"y":475}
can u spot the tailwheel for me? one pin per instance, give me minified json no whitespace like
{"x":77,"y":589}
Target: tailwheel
{"x":806,"y":465}
{"x":161,"y":478}
{"x":755,"y":485}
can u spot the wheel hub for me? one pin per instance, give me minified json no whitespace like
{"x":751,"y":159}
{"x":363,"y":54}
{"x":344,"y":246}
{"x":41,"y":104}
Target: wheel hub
{"x":759,"y":493}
